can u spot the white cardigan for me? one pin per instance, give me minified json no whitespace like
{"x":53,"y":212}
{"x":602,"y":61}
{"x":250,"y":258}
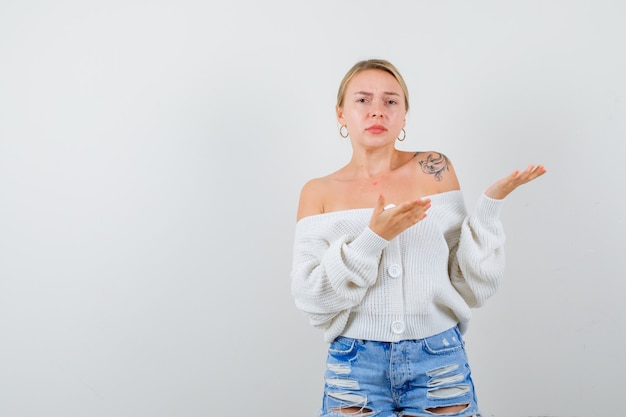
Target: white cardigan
{"x":350,"y":281}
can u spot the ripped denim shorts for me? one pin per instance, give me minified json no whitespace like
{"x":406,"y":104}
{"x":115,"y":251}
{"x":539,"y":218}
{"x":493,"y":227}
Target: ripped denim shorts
{"x":398,"y":379}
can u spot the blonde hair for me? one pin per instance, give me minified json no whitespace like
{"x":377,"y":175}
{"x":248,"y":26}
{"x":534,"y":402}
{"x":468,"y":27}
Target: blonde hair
{"x":372,"y":64}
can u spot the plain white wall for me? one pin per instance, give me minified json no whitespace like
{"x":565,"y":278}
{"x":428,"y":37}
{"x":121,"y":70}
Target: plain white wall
{"x":151,"y":156}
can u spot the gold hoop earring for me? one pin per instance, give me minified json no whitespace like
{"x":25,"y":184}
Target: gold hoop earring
{"x":341,"y":131}
{"x":403,"y":136}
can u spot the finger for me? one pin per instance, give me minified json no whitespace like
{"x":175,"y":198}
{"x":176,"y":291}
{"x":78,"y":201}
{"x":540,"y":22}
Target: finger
{"x":540,"y":170}
{"x":535,"y":170}
{"x":380,"y":204}
{"x":537,"y":174}
{"x":421,"y":216}
{"x":418,"y":210}
{"x":515,"y":174}
{"x":529,"y":174}
{"x":413,"y":205}
{"x":423,"y":206}
{"x":425,"y":202}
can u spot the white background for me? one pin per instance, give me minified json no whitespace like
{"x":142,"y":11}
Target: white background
{"x":151,"y":156}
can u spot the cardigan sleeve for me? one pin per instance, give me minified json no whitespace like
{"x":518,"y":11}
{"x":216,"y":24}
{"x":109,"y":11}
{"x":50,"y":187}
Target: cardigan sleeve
{"x":332,"y":270}
{"x":477,"y":259}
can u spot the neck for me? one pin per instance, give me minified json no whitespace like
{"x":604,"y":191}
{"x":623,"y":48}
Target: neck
{"x":370,"y":164}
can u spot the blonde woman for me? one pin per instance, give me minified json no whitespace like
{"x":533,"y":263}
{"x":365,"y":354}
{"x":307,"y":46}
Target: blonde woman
{"x":388,"y":263}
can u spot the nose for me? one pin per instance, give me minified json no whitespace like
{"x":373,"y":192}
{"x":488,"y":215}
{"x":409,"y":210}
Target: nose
{"x":376,"y":109}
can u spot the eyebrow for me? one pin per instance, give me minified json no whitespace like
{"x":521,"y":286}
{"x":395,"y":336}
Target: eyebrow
{"x":387,"y":93}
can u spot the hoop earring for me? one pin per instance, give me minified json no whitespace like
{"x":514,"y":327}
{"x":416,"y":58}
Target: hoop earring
{"x":341,"y":131}
{"x":403,"y":136}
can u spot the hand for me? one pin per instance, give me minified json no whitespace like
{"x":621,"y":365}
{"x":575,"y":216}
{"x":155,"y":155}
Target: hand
{"x":393,"y":221}
{"x":505,"y":186}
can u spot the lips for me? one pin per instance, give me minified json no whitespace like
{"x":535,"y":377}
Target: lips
{"x":376,"y":129}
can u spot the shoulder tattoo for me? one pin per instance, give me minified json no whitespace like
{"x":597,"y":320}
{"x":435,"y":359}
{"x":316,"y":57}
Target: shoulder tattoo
{"x":435,"y":164}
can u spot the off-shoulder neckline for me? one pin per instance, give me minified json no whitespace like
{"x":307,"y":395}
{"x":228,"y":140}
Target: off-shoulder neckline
{"x":451,"y":193}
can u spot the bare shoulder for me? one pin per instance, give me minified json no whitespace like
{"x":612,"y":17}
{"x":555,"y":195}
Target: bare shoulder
{"x":312,"y":197}
{"x":438,"y":167}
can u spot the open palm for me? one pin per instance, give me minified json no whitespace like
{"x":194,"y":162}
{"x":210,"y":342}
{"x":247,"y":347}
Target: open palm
{"x":501,"y":188}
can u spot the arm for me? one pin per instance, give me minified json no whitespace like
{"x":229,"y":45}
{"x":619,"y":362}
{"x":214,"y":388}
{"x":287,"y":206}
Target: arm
{"x":331,"y":274}
{"x":332,"y":269}
{"x":334,"y":264}
{"x":477,"y":260}
{"x":501,"y":188}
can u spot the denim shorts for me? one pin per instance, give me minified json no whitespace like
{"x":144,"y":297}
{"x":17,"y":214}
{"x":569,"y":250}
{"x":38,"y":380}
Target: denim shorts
{"x":396,"y":379}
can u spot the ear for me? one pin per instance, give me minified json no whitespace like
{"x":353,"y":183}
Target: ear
{"x":339,"y":112}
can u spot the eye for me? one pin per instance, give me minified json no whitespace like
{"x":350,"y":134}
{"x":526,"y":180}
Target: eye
{"x":392,"y":102}
{"x":361,"y":100}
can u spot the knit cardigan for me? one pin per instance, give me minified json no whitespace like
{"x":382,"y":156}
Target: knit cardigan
{"x":350,"y":281}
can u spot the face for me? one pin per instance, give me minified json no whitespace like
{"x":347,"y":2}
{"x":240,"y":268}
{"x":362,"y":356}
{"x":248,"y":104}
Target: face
{"x":373,"y":108}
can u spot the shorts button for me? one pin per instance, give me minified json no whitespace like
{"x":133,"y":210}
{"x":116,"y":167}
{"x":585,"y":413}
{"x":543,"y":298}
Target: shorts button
{"x":394,"y":270}
{"x":398,"y":327}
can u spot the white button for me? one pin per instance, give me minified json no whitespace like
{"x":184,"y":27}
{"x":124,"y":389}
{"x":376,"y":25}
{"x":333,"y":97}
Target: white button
{"x":394,"y":270}
{"x":398,"y":327}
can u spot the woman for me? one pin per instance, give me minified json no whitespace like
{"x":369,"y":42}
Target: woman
{"x":392,"y":286}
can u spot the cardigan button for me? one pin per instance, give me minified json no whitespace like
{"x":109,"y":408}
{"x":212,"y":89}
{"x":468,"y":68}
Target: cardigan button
{"x":394,"y":270}
{"x":397,"y":327}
